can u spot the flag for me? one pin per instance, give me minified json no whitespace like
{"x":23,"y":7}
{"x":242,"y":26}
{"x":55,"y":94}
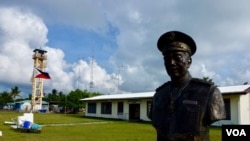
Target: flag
{"x":42,"y":74}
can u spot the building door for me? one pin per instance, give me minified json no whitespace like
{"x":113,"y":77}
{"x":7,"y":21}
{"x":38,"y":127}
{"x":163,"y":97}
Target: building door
{"x":134,"y":112}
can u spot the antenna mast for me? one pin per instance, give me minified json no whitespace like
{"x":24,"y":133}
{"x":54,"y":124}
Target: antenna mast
{"x":91,"y":84}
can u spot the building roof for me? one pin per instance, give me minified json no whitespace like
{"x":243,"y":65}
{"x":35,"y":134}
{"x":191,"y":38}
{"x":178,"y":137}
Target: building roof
{"x":240,"y":89}
{"x":29,"y":101}
{"x":235,"y":89}
{"x":121,"y":96}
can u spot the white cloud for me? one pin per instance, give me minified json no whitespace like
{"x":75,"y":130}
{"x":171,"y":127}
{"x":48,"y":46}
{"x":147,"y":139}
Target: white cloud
{"x":21,"y":33}
{"x":16,"y":45}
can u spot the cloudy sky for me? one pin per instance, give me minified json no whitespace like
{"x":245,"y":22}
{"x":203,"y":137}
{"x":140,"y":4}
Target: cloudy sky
{"x":113,"y":43}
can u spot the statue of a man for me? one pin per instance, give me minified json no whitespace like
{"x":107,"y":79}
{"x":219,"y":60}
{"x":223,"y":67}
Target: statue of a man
{"x":184,"y":107}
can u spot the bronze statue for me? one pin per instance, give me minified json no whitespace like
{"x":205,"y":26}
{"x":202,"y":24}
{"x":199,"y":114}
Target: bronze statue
{"x":183,"y":108}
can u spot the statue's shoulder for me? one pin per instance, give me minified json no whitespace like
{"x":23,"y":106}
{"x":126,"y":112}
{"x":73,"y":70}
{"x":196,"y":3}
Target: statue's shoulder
{"x":201,"y":81}
{"x":162,"y":86}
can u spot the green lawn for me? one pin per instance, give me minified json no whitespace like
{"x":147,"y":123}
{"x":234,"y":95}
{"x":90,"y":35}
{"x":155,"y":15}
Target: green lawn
{"x":80,"y":128}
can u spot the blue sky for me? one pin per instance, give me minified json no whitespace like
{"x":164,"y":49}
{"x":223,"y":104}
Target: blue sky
{"x":121,"y":36}
{"x":82,"y":43}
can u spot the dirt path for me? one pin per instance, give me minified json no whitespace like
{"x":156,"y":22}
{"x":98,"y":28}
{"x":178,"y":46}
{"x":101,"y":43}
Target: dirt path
{"x":71,"y":124}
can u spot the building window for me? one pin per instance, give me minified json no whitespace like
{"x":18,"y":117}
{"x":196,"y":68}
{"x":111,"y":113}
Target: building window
{"x":92,"y":108}
{"x":149,"y":104}
{"x":120,"y":108}
{"x":228,"y":108}
{"x":106,"y":108}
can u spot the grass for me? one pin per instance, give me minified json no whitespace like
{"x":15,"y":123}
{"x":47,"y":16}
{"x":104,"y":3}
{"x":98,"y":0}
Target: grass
{"x":111,"y":130}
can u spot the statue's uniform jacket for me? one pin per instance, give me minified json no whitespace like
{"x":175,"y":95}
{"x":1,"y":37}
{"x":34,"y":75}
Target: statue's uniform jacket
{"x":189,"y":115}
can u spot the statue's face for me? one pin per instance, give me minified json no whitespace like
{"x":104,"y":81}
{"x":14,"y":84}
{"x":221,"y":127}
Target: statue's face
{"x":177,"y":63}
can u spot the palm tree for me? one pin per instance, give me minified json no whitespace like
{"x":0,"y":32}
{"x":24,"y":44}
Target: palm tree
{"x":207,"y":79}
{"x":245,"y":83}
{"x":15,"y":92}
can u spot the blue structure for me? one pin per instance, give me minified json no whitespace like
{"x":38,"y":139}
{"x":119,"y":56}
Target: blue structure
{"x":18,"y":106}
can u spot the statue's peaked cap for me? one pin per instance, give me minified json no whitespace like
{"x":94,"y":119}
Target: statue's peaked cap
{"x":168,"y":38}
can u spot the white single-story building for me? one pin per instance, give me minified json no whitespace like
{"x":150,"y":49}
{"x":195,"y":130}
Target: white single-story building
{"x":135,"y":106}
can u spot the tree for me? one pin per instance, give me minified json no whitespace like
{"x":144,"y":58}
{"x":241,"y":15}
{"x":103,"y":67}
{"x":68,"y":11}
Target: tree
{"x":5,"y":98}
{"x":71,"y":100}
{"x":53,"y":96}
{"x":207,"y":79}
{"x":74,"y":97}
{"x":15,"y":92}
{"x":245,"y":83}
